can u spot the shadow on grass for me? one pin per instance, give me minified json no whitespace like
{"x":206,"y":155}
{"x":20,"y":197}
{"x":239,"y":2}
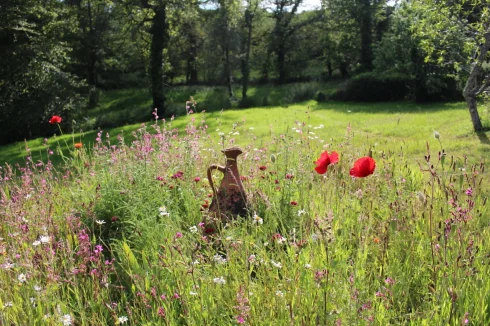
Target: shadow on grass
{"x":388,"y":107}
{"x":483,"y":137}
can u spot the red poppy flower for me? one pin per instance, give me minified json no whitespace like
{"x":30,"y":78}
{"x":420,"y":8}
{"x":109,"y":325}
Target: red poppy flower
{"x":55,"y":119}
{"x":197,"y":179}
{"x":325,"y":160}
{"x":293,"y":203}
{"x":78,"y":145}
{"x":262,"y":168}
{"x":363,"y":167}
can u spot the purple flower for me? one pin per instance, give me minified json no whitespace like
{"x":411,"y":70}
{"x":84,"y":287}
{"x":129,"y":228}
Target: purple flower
{"x":469,"y":191}
{"x":98,"y":249}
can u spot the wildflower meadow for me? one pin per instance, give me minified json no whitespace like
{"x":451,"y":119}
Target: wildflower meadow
{"x":336,"y":233}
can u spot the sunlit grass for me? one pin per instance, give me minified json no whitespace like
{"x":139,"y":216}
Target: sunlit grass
{"x":399,"y":127}
{"x":110,"y":236}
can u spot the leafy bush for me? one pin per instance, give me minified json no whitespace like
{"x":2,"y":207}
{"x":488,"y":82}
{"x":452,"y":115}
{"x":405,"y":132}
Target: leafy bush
{"x":321,"y":96}
{"x":301,"y":92}
{"x":373,"y":87}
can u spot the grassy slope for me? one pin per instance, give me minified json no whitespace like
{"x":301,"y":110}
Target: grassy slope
{"x":385,"y":126}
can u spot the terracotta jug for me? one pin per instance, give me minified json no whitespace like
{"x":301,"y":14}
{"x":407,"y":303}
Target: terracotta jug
{"x":229,"y":200}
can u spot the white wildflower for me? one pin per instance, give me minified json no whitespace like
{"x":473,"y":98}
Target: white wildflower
{"x":301,"y":212}
{"x":193,"y":293}
{"x":276,"y":264}
{"x":281,"y":240}
{"x":36,"y":243}
{"x":66,"y":320}
{"x":163,"y":211}
{"x":307,"y":266}
{"x":22,"y":278}
{"x":219,"y":259}
{"x":8,"y":265}
{"x":100,"y":222}
{"x":37,"y":288}
{"x":123,"y":319}
{"x":257,"y":219}
{"x":279,"y":294}
{"x":193,"y":229}
{"x":44,"y":238}
{"x":219,"y":280}
{"x":8,"y":304}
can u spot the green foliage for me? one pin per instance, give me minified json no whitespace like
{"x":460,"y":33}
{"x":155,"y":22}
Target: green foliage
{"x":400,"y":52}
{"x":375,"y":87}
{"x":34,"y":80}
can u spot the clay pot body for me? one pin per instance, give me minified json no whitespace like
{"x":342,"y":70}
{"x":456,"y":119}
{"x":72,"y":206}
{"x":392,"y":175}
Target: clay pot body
{"x":229,"y":199}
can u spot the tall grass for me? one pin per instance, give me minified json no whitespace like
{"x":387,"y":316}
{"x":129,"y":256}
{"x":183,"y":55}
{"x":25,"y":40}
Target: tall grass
{"x":114,"y":235}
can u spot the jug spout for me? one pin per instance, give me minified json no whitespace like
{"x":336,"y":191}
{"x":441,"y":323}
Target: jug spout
{"x":232,"y":152}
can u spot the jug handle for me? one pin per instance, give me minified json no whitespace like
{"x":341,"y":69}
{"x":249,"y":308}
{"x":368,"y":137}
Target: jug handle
{"x":210,"y":177}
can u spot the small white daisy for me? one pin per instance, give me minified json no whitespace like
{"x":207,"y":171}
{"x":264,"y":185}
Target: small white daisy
{"x":66,"y":320}
{"x":100,"y":222}
{"x":257,"y":219}
{"x":276,"y":264}
{"x":123,"y":319}
{"x":22,"y":278}
{"x":219,"y":280}
{"x":219,"y":259}
{"x":193,"y":229}
{"x":163,"y":211}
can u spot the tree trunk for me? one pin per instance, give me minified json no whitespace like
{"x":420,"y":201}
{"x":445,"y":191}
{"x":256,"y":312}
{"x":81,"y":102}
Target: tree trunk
{"x":158,"y":36}
{"x":475,"y":117}
{"x":330,"y":69}
{"x":228,"y":77}
{"x":473,"y":84}
{"x":281,"y":62}
{"x":366,"y":36}
{"x":246,"y":59}
{"x":192,"y":59}
{"x":343,"y":69}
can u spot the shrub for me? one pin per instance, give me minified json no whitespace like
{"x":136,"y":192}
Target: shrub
{"x":374,"y":87}
{"x":301,"y":92}
{"x":321,"y":96}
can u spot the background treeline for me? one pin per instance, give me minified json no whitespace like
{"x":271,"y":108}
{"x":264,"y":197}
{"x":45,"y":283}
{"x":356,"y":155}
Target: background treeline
{"x":57,"y":56}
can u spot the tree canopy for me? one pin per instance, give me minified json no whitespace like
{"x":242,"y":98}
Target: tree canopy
{"x":57,"y":56}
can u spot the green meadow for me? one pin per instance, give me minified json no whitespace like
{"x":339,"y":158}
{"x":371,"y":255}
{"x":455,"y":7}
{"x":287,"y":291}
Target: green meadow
{"x":111,"y":233}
